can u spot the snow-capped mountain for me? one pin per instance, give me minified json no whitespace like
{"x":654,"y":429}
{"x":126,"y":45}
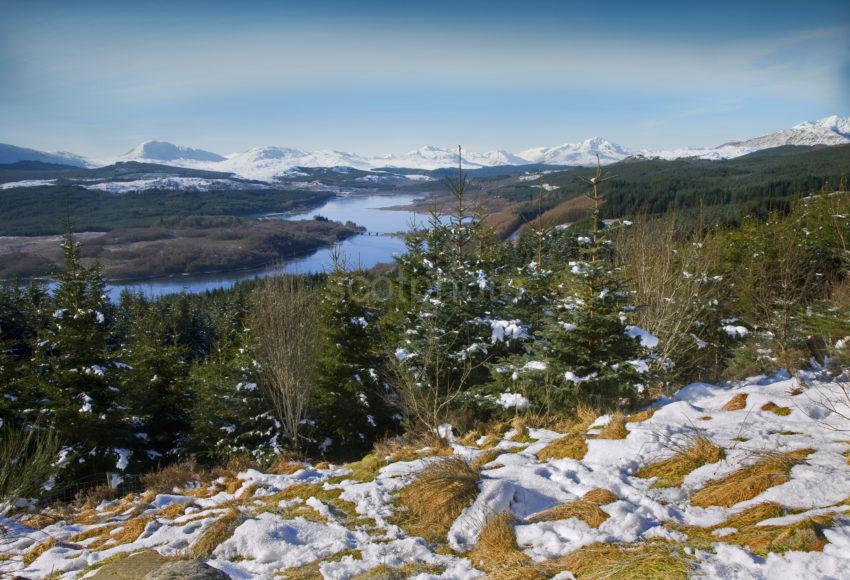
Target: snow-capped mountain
{"x":162,"y":151}
{"x":832,"y":130}
{"x":13,"y":154}
{"x":269,"y":163}
{"x":583,"y":153}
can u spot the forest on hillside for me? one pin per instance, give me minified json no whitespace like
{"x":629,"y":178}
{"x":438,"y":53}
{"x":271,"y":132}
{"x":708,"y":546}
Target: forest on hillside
{"x":464,"y":329}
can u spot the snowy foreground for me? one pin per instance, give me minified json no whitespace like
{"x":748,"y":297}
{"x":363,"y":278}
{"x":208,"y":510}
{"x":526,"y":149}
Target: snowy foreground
{"x":279,"y":527}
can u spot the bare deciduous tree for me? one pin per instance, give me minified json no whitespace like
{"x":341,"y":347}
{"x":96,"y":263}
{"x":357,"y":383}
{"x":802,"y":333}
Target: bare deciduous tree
{"x":285,"y":326}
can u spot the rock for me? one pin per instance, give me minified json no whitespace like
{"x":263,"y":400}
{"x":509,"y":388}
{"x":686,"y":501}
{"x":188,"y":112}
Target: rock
{"x":186,"y":570}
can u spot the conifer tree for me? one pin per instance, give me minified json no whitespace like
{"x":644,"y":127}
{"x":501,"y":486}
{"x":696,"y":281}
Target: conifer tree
{"x":586,"y":342}
{"x":76,"y":376}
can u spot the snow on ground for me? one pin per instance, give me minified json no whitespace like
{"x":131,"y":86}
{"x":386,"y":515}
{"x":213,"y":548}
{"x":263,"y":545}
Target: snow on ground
{"x":322,"y":517}
{"x":27,"y":183}
{"x":181,"y":183}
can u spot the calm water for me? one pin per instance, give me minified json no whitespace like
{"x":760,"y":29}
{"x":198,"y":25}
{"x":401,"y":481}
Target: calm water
{"x":366,"y":250}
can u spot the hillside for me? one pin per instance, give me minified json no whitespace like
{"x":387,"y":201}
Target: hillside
{"x":769,"y":502}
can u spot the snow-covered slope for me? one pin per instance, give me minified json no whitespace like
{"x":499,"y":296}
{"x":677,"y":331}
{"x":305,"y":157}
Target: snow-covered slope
{"x":583,"y":153}
{"x":13,"y":154}
{"x":833,"y":130}
{"x":162,"y":152}
{"x":325,"y":521}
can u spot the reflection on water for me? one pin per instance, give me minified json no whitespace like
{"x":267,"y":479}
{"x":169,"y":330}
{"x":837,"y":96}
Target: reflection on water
{"x":364,"y":250}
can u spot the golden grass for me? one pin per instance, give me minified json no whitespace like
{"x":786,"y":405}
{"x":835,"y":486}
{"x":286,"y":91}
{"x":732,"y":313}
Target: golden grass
{"x":521,"y":435}
{"x":84,"y":535}
{"x":615,"y":428}
{"x":469,"y":439}
{"x":33,"y":554}
{"x":706,"y":418}
{"x":218,"y":532}
{"x":647,"y":560}
{"x":282,"y":466}
{"x":171,"y":477}
{"x":641,"y":416}
{"x":410,"y":447}
{"x":385,"y":572}
{"x":41,"y":520}
{"x":486,"y":457}
{"x":366,"y":469}
{"x":776,"y":409}
{"x":305,"y":491}
{"x":497,"y":553}
{"x":437,"y":496}
{"x":173,"y":511}
{"x":130,"y":530}
{"x":736,"y":403}
{"x":599,"y":496}
{"x":568,"y":447}
{"x":671,"y":472}
{"x":803,"y":536}
{"x":586,"y":511}
{"x":745,"y":484}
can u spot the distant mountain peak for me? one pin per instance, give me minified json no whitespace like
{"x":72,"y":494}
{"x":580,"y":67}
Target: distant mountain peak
{"x":165,"y":151}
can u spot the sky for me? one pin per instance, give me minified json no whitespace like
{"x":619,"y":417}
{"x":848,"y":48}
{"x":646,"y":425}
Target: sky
{"x":375,"y":76}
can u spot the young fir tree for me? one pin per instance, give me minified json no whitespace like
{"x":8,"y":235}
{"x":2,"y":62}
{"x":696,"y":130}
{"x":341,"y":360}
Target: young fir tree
{"x":76,"y":376}
{"x":350,"y":404}
{"x":230,"y":417}
{"x":449,"y":327}
{"x":588,"y":351}
{"x":154,"y":374}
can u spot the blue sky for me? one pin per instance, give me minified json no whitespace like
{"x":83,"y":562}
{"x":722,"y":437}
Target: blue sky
{"x":374,"y":77}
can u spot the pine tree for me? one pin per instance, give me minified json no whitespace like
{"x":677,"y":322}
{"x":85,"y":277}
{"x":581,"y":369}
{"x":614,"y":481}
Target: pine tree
{"x":76,"y":376}
{"x":589,"y":353}
{"x":154,"y":373}
{"x":350,"y":404}
{"x":230,"y":417}
{"x":450,"y":326}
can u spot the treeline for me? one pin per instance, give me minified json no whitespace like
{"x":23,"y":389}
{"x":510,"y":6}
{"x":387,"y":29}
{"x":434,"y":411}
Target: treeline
{"x":726,"y":190}
{"x":465,"y":329}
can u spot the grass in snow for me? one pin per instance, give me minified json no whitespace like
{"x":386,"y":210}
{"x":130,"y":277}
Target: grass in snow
{"x":736,"y":403}
{"x":773,"y":469}
{"x":671,"y":472}
{"x":656,"y":560}
{"x":496,"y":551}
{"x":776,"y":409}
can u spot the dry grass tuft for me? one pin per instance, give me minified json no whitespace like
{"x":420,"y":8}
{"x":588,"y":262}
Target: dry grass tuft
{"x":91,"y":497}
{"x":497,"y":553}
{"x":469,"y":438}
{"x":367,"y":468}
{"x":586,"y":511}
{"x":174,"y":476}
{"x":671,"y":472}
{"x":641,"y":416}
{"x":745,"y":484}
{"x":285,"y":465}
{"x":217,"y":533}
{"x":41,"y":520}
{"x":486,"y":457}
{"x":40,"y":549}
{"x":521,"y":435}
{"x":776,"y":409}
{"x":647,"y":560}
{"x":437,"y":497}
{"x":130,"y":530}
{"x":615,"y":429}
{"x":385,"y":572}
{"x":567,"y":447}
{"x":736,"y":403}
{"x":173,"y":511}
{"x":599,"y":496}
{"x":411,"y":446}
{"x":803,"y":536}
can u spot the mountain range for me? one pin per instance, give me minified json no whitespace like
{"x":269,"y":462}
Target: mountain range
{"x":267,"y":163}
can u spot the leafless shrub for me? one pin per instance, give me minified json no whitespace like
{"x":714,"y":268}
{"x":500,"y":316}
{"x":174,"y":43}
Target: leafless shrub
{"x":286,"y":332}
